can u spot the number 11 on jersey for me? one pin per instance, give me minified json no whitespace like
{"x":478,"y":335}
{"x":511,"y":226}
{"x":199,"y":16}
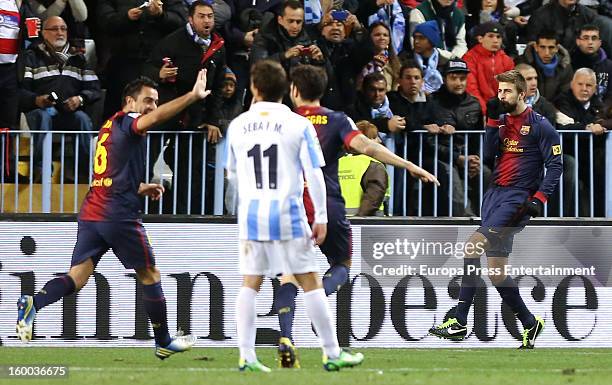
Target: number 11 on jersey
{"x":272,"y":154}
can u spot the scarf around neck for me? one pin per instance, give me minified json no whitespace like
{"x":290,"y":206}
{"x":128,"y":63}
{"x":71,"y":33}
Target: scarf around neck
{"x":61,"y":56}
{"x":547,"y":69}
{"x":431,"y":76}
{"x":196,"y":38}
{"x":383,"y":111}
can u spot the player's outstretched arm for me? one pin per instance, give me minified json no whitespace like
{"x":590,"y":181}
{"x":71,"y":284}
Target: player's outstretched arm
{"x":168,"y":110}
{"x":363,"y":145}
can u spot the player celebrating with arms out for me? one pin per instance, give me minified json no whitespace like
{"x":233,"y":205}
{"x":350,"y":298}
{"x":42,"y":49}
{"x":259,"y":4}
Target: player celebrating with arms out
{"x":522,"y":142}
{"x":268,"y":149}
{"x":110,"y":217}
{"x":336,"y":132}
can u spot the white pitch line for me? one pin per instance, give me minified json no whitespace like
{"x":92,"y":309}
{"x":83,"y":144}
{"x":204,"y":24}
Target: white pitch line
{"x":405,"y":369}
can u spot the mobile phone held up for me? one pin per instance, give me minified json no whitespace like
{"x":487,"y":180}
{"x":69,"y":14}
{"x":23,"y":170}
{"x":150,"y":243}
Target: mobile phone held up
{"x":339,"y":15}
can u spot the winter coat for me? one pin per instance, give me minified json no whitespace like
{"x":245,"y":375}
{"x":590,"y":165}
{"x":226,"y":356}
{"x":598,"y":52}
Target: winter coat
{"x":136,"y":39}
{"x":550,"y":87}
{"x":462,"y":112}
{"x":602,"y":66}
{"x":563,"y":22}
{"x":484,"y":65}
{"x":43,"y":73}
{"x":189,"y":57}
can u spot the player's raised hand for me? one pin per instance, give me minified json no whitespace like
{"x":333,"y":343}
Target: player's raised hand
{"x":152,"y":190}
{"x":319,"y":232}
{"x":199,"y":88}
{"x":423,"y":175}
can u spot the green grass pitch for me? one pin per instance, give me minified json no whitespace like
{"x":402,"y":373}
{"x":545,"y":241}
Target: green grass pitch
{"x":133,"y":366}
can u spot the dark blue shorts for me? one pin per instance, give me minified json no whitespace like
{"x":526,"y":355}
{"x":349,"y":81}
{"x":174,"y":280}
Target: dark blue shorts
{"x":128,"y":240}
{"x":337,"y":246}
{"x":502,"y":218}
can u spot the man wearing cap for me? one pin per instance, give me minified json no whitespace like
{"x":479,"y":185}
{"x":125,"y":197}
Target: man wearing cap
{"x":455,"y":111}
{"x":426,"y":38}
{"x":485,"y":60}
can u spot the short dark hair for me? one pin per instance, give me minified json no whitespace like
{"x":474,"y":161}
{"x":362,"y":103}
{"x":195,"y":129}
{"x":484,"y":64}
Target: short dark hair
{"x":514,"y":77}
{"x":310,"y":81}
{"x":372,"y":78}
{"x":134,"y":88}
{"x":293,"y":4}
{"x":200,"y":3}
{"x":588,"y":27}
{"x":547,"y":35}
{"x":270,"y":80}
{"x":408,"y":64}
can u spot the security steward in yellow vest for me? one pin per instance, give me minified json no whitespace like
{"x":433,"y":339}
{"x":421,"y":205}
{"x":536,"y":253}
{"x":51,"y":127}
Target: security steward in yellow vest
{"x":364,"y":184}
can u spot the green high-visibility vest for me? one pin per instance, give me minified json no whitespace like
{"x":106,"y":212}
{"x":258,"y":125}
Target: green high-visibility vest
{"x":350,"y":171}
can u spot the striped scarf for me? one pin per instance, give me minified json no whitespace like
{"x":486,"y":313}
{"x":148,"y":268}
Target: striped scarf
{"x":394,"y":18}
{"x":312,"y":11}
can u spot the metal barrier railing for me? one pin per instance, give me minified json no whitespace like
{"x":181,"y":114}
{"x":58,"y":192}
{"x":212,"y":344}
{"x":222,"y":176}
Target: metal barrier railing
{"x":51,"y":172}
{"x":584,"y":190}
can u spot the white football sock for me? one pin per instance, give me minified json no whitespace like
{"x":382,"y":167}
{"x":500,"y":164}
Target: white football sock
{"x":318,"y":311}
{"x":245,"y":323}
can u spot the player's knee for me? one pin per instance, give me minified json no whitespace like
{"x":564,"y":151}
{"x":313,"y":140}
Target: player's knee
{"x":309,"y":281}
{"x":476,"y":246}
{"x":252,"y":281}
{"x":80,"y":274}
{"x":497,"y":279}
{"x":148,"y":275}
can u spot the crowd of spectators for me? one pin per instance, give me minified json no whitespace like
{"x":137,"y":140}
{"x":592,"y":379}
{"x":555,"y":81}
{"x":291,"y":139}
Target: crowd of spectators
{"x":402,"y":65}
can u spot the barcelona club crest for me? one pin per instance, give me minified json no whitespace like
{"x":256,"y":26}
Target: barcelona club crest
{"x":525,"y":130}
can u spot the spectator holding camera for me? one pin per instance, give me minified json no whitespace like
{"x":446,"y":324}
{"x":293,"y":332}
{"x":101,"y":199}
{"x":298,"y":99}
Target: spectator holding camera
{"x":57,"y":83}
{"x":285,"y":40}
{"x":246,"y":22}
{"x":338,"y":49}
{"x":134,"y":27}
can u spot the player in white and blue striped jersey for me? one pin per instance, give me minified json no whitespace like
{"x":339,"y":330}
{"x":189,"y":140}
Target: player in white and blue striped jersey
{"x":269,"y":152}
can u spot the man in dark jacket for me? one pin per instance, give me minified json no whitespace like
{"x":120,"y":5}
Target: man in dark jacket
{"x":457,"y":111}
{"x":581,"y":104}
{"x":285,"y":40}
{"x":563,"y":17}
{"x":338,"y":46}
{"x":552,"y":63}
{"x":412,"y":110}
{"x":589,"y":54}
{"x":246,"y":22}
{"x":191,"y":48}
{"x":133,"y":32}
{"x":52,"y":67}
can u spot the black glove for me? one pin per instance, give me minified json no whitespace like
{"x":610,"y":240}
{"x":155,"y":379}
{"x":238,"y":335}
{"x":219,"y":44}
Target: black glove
{"x":494,"y":108}
{"x":533,"y":207}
